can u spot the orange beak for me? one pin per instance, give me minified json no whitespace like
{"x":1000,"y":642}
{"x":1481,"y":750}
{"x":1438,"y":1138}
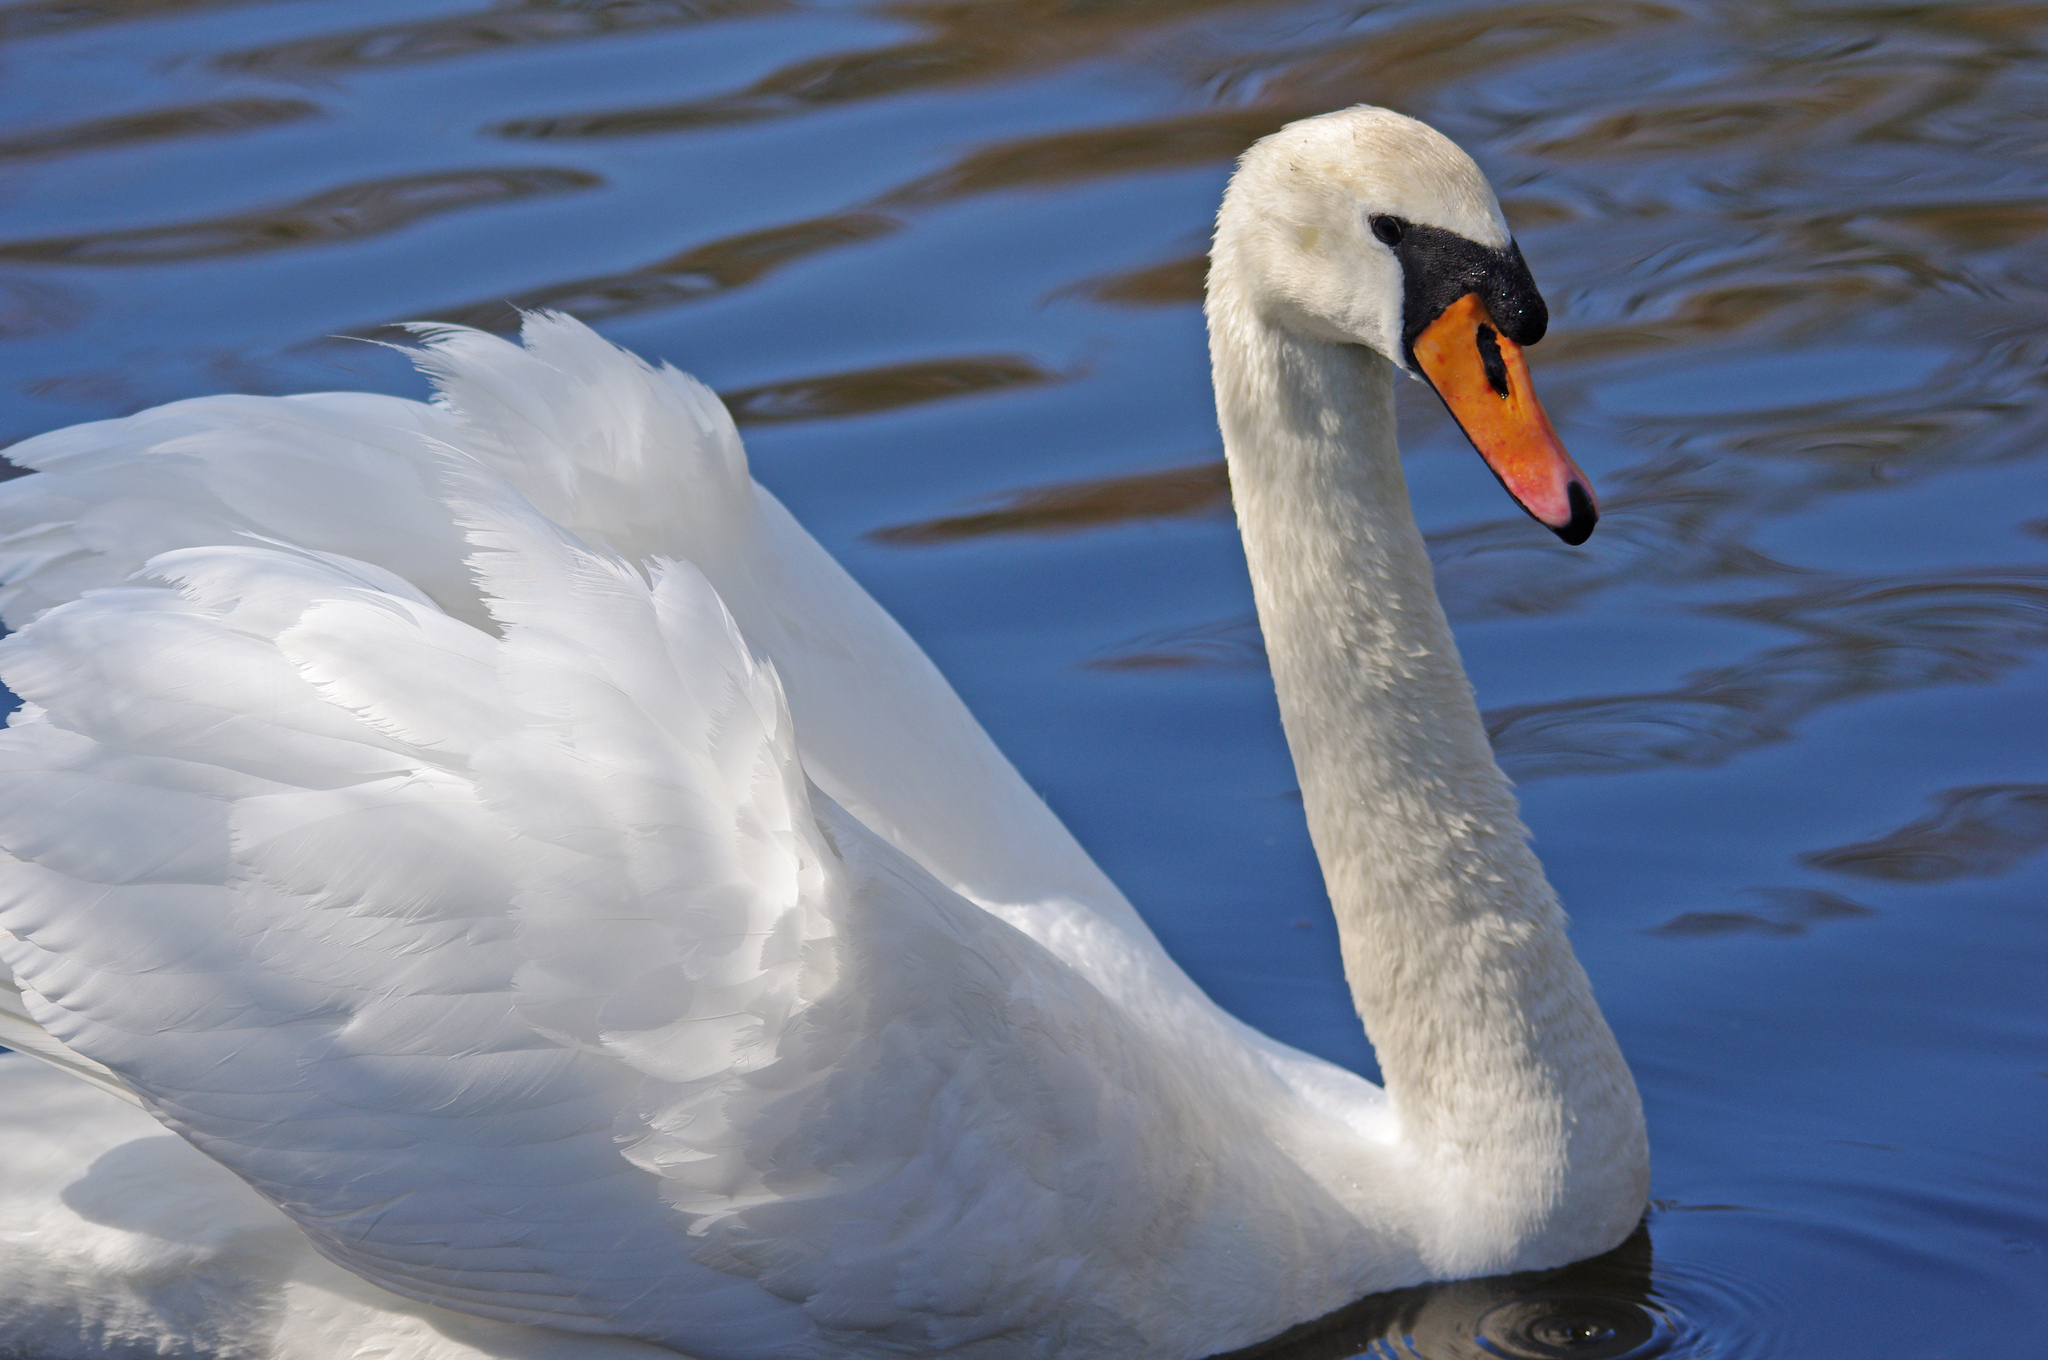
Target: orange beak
{"x":1483,"y":379}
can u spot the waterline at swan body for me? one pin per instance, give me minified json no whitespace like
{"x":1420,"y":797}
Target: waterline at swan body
{"x":498,"y":834}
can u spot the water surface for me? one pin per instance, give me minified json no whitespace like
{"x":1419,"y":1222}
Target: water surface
{"x":1778,"y":727}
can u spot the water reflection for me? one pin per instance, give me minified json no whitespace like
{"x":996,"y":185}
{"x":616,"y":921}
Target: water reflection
{"x":1168,"y":284}
{"x":984,"y":41}
{"x":40,"y":18}
{"x":36,"y":307}
{"x":1978,"y":833}
{"x":1233,"y":644}
{"x":690,"y":276}
{"x":346,"y":214}
{"x":135,"y":129}
{"x":1072,"y":506}
{"x":1779,"y":911}
{"x":521,"y":23}
{"x":826,"y":80}
{"x":1602,"y":1309}
{"x":1865,"y":637}
{"x":884,"y":388}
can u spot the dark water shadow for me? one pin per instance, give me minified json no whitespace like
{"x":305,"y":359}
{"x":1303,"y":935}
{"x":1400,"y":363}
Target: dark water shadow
{"x":692,"y":275}
{"x":350,"y":213}
{"x":1233,"y":644}
{"x":523,"y":23}
{"x":33,"y":307}
{"x":211,"y":119}
{"x":836,"y":79}
{"x":1204,"y":137}
{"x":1069,"y":507}
{"x":1978,"y":832}
{"x":983,"y":42}
{"x":885,"y":388}
{"x":1171,"y":283}
{"x":1602,"y":1309}
{"x":41,"y":18}
{"x":1404,"y":59}
{"x":1780,"y":912}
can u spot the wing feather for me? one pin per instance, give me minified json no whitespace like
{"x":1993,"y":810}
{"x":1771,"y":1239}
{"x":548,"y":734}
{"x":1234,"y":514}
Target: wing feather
{"x":487,"y":920}
{"x":340,"y":1007}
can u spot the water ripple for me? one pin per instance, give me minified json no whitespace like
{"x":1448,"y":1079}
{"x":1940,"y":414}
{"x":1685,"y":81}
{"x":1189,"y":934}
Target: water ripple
{"x":1978,"y":832}
{"x":135,"y":129}
{"x":525,"y":23}
{"x":40,"y":18}
{"x":979,"y":43}
{"x":885,"y":388}
{"x":1780,"y":911}
{"x":836,"y":79}
{"x":1868,"y":637}
{"x":691,"y":276}
{"x":1171,"y":283}
{"x":349,"y":213}
{"x":1068,"y":507}
{"x":1232,"y":644}
{"x":1625,"y":1305}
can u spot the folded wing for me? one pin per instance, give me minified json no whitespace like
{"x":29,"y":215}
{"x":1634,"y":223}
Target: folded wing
{"x":525,"y":969}
{"x":643,"y":460}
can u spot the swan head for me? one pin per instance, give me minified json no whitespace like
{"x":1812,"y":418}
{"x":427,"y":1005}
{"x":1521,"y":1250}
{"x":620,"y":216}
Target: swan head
{"x":1365,"y":227}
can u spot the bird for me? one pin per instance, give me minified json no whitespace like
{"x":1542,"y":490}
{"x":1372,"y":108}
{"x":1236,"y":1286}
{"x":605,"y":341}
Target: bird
{"x":480,"y":880}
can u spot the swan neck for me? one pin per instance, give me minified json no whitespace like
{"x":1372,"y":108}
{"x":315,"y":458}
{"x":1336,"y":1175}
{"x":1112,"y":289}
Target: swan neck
{"x":1506,"y":1080}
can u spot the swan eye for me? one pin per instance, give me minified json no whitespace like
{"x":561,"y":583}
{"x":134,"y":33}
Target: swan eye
{"x":1388,"y":229}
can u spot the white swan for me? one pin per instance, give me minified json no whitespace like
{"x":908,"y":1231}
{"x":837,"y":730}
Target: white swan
{"x":550,"y":890}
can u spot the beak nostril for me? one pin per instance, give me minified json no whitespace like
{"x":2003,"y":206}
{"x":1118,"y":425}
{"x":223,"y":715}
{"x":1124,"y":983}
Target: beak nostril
{"x":1490,"y":358}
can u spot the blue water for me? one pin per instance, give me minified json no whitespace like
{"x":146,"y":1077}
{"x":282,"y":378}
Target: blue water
{"x":1779,"y":726}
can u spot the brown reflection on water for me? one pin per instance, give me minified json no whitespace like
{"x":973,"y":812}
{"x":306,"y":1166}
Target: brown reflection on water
{"x":1129,"y":148}
{"x":985,"y":41}
{"x":867,"y":390}
{"x":1170,"y":284}
{"x":1976,"y":832}
{"x":1780,"y":911}
{"x":39,"y":18}
{"x":1698,"y":125}
{"x":30,"y":307}
{"x":191,"y":120}
{"x":835,"y":79}
{"x":523,"y":23}
{"x":1233,"y":644}
{"x":345,"y":214}
{"x":690,"y":276}
{"x":1069,"y":506}
{"x":1401,"y":62}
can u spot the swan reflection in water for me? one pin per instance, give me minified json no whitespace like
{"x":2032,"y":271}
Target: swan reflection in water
{"x":1598,"y":1309}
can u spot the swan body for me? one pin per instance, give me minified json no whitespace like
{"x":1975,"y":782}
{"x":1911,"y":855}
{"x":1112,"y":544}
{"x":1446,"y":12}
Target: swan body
{"x":496,"y":887}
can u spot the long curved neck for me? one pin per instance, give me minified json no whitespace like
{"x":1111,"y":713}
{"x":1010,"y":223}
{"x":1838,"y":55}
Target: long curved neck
{"x":1511,"y":1093}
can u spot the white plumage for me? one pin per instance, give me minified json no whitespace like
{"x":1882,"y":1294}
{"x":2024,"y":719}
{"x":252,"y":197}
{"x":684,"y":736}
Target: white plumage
{"x":498,"y":836}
